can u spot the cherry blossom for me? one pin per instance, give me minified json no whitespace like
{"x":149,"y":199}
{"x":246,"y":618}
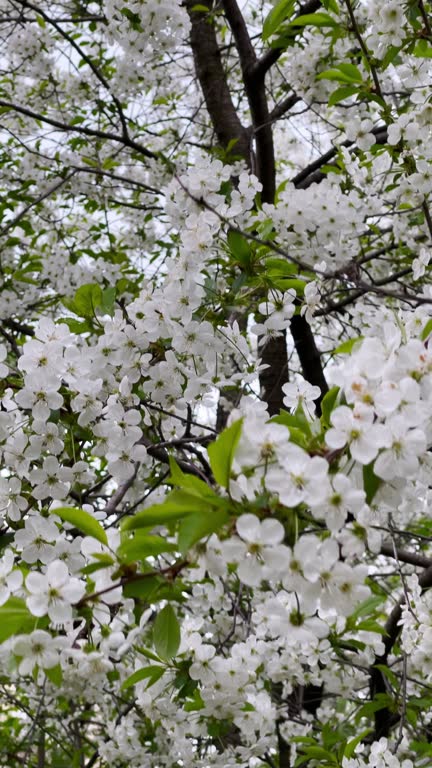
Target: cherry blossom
{"x":53,"y":593}
{"x":216,"y":384}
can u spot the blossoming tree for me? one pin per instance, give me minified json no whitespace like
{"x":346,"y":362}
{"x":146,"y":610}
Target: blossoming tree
{"x":216,"y":384}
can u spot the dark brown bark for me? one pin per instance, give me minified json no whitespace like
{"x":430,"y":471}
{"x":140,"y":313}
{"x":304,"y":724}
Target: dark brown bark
{"x":213,"y":82}
{"x":255,"y":91}
{"x":274,"y":354}
{"x":309,"y":356}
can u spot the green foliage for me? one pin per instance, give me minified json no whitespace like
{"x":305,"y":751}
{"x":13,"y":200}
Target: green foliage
{"x":15,"y":618}
{"x":423,"y":49}
{"x":152,"y":674}
{"x":427,"y":330}
{"x":145,"y":589}
{"x":195,"y":506}
{"x":371,"y":482}
{"x":83,"y":521}
{"x":166,"y":633}
{"x":221,"y":453}
{"x":189,"y":482}
{"x":55,"y":675}
{"x":298,"y":425}
{"x":142,"y":545}
{"x":240,"y":249}
{"x":340,"y":94}
{"x":178,"y":504}
{"x":331,"y":5}
{"x":86,"y":300}
{"x":198,"y":526}
{"x":318,"y":19}
{"x":347,"y":346}
{"x":380,"y":701}
{"x":328,"y":404}
{"x":343,"y":73}
{"x":278,"y":14}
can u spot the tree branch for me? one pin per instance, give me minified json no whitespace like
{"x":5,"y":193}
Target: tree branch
{"x":256,"y":95}
{"x":311,"y":174}
{"x":212,"y":79}
{"x":405,"y":556}
{"x":84,"y":131}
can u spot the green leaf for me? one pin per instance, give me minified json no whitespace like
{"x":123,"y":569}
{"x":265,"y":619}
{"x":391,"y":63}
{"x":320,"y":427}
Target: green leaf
{"x":280,"y":267}
{"x":93,"y":567}
{"x":104,"y":558}
{"x":15,"y":618}
{"x":296,"y":420}
{"x":284,"y":283}
{"x":148,"y":654}
{"x":303,"y":740}
{"x":347,"y":346}
{"x":6,"y":539}
{"x":281,"y":11}
{"x":328,"y":404}
{"x":191,"y":483}
{"x":343,"y":73}
{"x":351,"y":745}
{"x":196,"y":527}
{"x":143,"y":545}
{"x":55,"y":675}
{"x":423,"y":49}
{"x":152,"y":674}
{"x":313,"y":20}
{"x":421,"y":747}
{"x":87,"y":298}
{"x":25,"y":226}
{"x":221,"y":453}
{"x":166,"y":633}
{"x":381,"y":701}
{"x":350,"y":70}
{"x":144,"y":589}
{"x":177,"y":505}
{"x":369,"y":625}
{"x":108,"y":300}
{"x":83,"y":521}
{"x":76,"y":326}
{"x":196,"y":703}
{"x":367,"y":607}
{"x":390,"y":55}
{"x":342,"y":93}
{"x":331,"y":5}
{"x":419,"y":702}
{"x":427,"y":330}
{"x":371,"y":482}
{"x":334,"y":74}
{"x":239,"y":248}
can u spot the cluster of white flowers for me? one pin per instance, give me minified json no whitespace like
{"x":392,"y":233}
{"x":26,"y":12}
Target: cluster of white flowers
{"x":388,"y":26}
{"x":253,"y":591}
{"x":319,"y":224}
{"x":137,"y":25}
